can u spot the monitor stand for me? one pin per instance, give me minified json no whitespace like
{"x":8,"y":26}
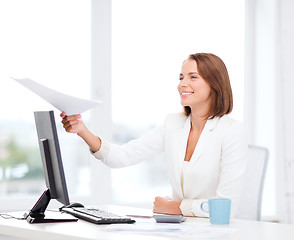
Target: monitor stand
{"x":37,"y":213}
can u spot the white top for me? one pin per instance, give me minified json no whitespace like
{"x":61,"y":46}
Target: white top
{"x":215,"y":168}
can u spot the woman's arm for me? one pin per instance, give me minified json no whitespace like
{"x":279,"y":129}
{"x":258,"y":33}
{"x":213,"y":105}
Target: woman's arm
{"x":115,"y":155}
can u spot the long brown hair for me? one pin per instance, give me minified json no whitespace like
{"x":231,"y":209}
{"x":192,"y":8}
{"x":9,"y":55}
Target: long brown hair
{"x":213,"y":70}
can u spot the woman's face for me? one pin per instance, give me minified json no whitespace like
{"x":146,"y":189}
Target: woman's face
{"x":194,"y":91}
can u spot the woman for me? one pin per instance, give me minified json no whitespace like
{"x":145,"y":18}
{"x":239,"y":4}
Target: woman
{"x":204,"y":148}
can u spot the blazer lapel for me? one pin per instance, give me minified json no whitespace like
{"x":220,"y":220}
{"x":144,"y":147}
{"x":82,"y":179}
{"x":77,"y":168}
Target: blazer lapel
{"x":183,"y":139}
{"x":182,"y":145}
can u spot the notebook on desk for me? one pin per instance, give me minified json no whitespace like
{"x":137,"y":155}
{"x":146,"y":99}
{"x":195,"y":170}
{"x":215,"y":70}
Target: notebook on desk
{"x":56,"y":183}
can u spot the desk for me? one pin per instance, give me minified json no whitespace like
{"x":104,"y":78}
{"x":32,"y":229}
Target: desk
{"x":242,"y":229}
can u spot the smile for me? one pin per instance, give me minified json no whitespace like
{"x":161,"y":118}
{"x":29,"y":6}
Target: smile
{"x":186,"y":93}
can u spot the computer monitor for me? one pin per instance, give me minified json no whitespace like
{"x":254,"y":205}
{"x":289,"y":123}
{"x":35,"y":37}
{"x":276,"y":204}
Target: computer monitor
{"x":53,"y":169}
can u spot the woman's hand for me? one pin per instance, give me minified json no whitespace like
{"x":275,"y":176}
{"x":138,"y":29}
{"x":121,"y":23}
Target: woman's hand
{"x":73,"y":123}
{"x":166,"y":206}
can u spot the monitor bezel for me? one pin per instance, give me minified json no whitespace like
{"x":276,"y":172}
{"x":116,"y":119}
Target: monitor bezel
{"x":52,"y":165}
{"x":53,"y":170}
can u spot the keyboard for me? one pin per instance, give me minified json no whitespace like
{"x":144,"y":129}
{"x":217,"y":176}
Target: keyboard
{"x":96,"y":216}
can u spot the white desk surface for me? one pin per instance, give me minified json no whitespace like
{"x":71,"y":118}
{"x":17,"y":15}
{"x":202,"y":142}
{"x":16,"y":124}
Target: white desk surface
{"x":237,"y":229}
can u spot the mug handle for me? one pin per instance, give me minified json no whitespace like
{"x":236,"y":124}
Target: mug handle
{"x":201,"y":207}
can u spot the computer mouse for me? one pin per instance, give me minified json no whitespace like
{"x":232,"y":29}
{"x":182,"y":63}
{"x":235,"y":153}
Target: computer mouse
{"x":75,"y":204}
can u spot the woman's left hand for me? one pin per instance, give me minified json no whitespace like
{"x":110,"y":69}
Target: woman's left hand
{"x":166,"y":206}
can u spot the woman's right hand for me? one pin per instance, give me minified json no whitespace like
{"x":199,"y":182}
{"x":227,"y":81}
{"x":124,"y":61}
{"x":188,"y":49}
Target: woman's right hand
{"x":73,"y":123}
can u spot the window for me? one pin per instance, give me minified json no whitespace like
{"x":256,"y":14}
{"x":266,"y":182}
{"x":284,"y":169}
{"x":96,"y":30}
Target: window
{"x":49,"y":42}
{"x":150,"y":39}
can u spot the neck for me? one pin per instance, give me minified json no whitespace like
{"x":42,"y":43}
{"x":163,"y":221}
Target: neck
{"x":197,"y":122}
{"x":199,"y":116}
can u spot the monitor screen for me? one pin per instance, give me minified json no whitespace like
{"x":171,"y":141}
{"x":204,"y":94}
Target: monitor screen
{"x":53,"y":170}
{"x":51,"y":157}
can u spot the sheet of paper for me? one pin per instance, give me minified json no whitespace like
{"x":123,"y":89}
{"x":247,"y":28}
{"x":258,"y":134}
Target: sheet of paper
{"x":63,"y":102}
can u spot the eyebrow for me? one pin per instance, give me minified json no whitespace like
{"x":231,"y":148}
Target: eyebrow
{"x":190,"y":73}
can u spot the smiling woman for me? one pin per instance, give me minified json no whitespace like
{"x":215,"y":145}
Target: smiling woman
{"x":208,"y":138}
{"x":153,"y":43}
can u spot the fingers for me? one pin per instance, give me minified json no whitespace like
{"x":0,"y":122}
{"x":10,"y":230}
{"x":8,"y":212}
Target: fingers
{"x":71,"y":123}
{"x":159,"y":207}
{"x":155,"y":210}
{"x":157,"y":199}
{"x":71,"y":120}
{"x":158,"y":204}
{"x":63,"y":114}
{"x":70,"y":117}
{"x":166,"y":205}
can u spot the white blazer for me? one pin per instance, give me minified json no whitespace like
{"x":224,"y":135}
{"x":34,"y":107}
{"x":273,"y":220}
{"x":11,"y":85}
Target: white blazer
{"x":215,"y":168}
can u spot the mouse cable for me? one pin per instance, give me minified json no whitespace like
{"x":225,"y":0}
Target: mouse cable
{"x":7,"y":216}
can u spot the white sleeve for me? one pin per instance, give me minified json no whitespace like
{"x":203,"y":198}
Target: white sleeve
{"x":232,"y":168}
{"x":135,"y":151}
{"x":103,"y":151}
{"x":192,"y":207}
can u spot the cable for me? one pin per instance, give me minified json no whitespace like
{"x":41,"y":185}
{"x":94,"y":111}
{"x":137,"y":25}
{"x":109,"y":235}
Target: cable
{"x":7,"y":216}
{"x":51,"y":210}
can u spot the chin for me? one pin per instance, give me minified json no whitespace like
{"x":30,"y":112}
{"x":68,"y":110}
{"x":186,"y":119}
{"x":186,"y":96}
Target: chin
{"x":184,"y":104}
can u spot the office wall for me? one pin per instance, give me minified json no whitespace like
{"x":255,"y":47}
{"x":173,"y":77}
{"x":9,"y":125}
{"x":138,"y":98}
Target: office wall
{"x":260,"y":89}
{"x":101,"y":123}
{"x":270,"y":98}
{"x":285,"y":113}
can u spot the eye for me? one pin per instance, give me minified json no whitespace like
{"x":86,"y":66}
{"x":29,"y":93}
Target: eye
{"x":181,"y":78}
{"x":194,"y":77}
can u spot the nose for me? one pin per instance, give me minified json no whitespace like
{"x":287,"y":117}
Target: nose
{"x":184,"y":82}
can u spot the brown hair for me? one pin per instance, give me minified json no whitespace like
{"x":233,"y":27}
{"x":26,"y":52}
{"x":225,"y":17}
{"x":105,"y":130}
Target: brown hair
{"x":213,"y":70}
